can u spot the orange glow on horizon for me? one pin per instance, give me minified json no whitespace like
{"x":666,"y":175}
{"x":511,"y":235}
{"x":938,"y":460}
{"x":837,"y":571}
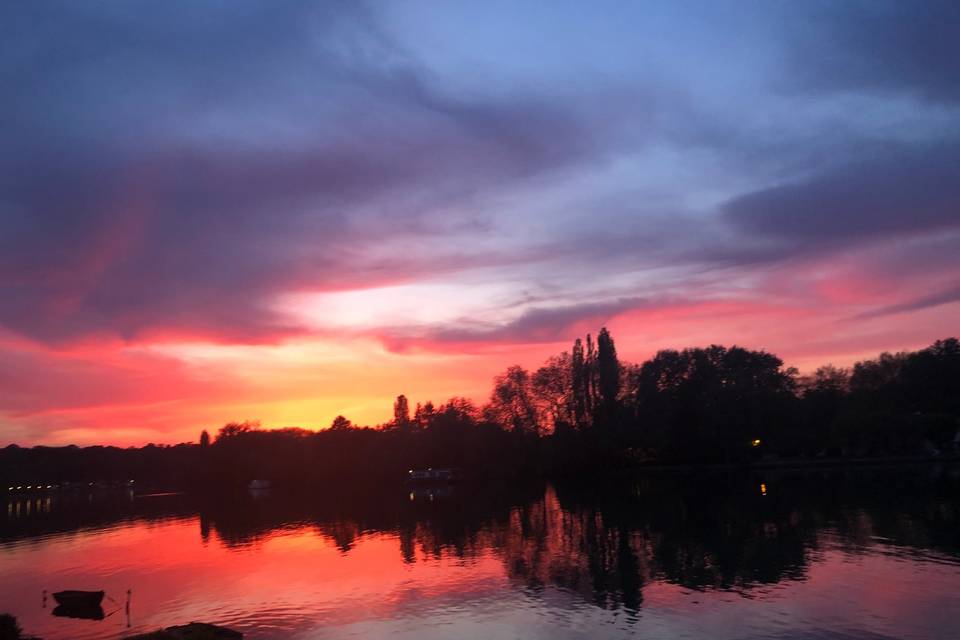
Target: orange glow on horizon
{"x":119,"y":393}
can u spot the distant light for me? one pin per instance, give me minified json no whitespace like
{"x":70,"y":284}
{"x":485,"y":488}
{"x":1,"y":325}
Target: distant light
{"x":18,"y":488}
{"x":29,"y":486}
{"x":411,"y":471}
{"x":756,"y":442}
{"x":411,"y":496}
{"x":763,"y":489}
{"x":49,"y":486}
{"x":9,"y":488}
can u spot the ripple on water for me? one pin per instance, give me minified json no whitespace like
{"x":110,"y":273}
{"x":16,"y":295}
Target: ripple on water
{"x":562,"y":573}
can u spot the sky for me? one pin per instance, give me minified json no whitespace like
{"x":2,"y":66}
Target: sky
{"x":227,"y":210}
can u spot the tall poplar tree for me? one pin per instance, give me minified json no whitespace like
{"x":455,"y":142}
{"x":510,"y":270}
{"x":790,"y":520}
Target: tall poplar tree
{"x":608,"y":369}
{"x":578,"y":374}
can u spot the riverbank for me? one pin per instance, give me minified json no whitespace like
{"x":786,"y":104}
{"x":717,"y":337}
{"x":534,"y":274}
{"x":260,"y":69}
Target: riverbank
{"x":10,"y":630}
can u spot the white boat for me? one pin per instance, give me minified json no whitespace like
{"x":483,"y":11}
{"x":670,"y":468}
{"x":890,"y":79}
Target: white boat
{"x":433,"y":475}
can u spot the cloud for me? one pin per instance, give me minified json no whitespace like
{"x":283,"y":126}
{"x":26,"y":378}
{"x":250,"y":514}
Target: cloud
{"x":179,"y":228}
{"x":209,"y":172}
{"x":36,"y":380}
{"x":947,"y":296}
{"x":176,"y":169}
{"x":538,"y":324}
{"x":905,"y":192}
{"x":882,"y":47}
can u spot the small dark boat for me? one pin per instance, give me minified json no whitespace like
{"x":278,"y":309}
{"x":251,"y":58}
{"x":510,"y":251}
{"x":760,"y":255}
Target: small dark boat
{"x":78,"y":599}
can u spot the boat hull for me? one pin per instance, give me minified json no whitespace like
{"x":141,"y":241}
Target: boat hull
{"x":79,"y":599}
{"x":81,"y":613}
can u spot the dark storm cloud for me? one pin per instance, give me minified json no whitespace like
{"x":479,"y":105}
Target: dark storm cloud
{"x":937,"y":299}
{"x":175,"y":167}
{"x":904,"y":193}
{"x":879,"y":46}
{"x":124,"y":208}
{"x":859,"y":183}
{"x":537,"y":324}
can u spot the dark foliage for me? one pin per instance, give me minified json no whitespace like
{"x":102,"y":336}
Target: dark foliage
{"x":9,"y":628}
{"x":579,"y":412}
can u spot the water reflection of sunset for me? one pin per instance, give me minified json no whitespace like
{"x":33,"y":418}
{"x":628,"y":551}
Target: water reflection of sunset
{"x":550,"y":559}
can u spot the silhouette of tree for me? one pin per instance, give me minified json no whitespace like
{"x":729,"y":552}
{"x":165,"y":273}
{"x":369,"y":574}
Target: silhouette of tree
{"x":511,"y":403}
{"x":879,"y":374}
{"x":340,"y":424}
{"x":401,"y":413}
{"x":829,"y":379}
{"x":423,"y":415}
{"x":823,"y":395}
{"x":608,"y":369}
{"x":553,"y":392}
{"x":701,"y":402}
{"x":591,"y":376}
{"x":931,"y":378}
{"x":577,"y":413}
{"x":9,"y":627}
{"x":580,"y":385}
{"x":455,"y":415}
{"x":233,"y":429}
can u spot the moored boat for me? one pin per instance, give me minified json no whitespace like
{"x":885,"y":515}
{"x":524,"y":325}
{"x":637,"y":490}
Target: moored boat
{"x":431,"y":475}
{"x":78,"y":599}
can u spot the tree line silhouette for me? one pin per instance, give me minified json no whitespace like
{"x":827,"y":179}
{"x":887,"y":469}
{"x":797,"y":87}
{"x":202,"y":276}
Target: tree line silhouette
{"x":582,"y":410}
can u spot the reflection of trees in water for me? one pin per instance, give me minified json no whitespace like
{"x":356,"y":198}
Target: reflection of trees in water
{"x":606,"y":542}
{"x":577,"y":550}
{"x":606,"y":545}
{"x":603,"y":542}
{"x":917,"y":511}
{"x":461,"y":525}
{"x":724,"y":532}
{"x":68,"y":511}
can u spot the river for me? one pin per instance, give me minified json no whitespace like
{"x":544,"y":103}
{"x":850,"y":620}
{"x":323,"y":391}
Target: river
{"x":832,"y":554}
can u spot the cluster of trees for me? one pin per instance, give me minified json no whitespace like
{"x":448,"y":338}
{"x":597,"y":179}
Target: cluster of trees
{"x":74,"y":467}
{"x":581,"y":409}
{"x":453,"y":434}
{"x":719,"y":404}
{"x":896,"y":403}
{"x":576,"y":389}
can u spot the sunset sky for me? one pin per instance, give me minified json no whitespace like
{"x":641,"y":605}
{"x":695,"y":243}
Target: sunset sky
{"x":215,"y":211}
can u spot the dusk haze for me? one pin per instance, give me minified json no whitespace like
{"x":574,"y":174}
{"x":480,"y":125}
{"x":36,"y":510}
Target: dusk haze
{"x":288,"y":211}
{"x":279,"y":265}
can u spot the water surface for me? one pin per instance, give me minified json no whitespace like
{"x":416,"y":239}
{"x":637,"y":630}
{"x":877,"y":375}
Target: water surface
{"x":827,"y":554}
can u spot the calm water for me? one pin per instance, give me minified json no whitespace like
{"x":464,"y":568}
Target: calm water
{"x":864,"y":554}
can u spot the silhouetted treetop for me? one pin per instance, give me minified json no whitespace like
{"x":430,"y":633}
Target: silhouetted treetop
{"x":608,"y":368}
{"x":233,"y":429}
{"x":340,"y":423}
